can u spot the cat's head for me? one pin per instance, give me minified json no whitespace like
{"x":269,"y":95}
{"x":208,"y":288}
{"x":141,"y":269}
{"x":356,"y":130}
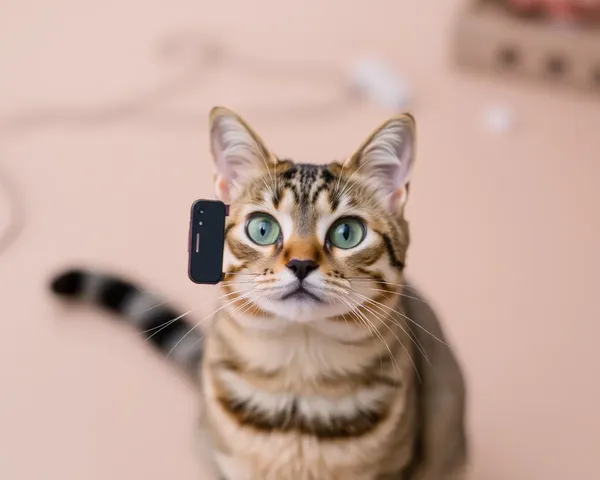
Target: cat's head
{"x":309,"y":242}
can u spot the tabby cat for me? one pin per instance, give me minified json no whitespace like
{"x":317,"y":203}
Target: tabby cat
{"x":321,"y":361}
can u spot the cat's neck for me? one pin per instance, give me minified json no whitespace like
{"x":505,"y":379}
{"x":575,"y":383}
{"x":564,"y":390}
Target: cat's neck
{"x":306,"y":351}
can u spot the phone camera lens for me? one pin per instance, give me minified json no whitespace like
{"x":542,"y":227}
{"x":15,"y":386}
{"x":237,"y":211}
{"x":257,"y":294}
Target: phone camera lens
{"x":201,"y":211}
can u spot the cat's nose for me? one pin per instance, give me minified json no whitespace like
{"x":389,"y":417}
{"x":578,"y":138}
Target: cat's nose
{"x":301,"y":268}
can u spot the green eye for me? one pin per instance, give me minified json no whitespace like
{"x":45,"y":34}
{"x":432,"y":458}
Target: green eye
{"x":347,"y":233}
{"x":262,"y":229}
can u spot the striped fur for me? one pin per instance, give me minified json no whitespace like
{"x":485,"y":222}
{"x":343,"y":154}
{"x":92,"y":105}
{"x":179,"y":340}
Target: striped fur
{"x":337,"y":372}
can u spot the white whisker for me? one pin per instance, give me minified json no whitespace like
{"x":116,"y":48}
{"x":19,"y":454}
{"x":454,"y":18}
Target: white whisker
{"x":389,"y":328}
{"x":400,"y":294}
{"x":408,"y":333}
{"x":203,"y":320}
{"x":368,"y":323}
{"x":404,"y":316}
{"x":164,"y":325}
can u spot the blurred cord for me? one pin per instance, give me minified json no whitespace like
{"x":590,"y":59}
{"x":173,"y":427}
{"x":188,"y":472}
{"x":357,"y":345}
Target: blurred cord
{"x":201,"y":57}
{"x":16,"y":212}
{"x":198,"y":58}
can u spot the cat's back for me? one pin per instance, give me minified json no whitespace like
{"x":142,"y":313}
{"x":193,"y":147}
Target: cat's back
{"x":442,"y":446}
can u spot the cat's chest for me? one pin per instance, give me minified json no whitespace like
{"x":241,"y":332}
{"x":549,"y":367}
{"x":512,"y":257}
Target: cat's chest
{"x":284,"y":424}
{"x":309,"y":441}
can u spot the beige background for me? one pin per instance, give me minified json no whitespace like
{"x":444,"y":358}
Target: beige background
{"x":506,"y":227}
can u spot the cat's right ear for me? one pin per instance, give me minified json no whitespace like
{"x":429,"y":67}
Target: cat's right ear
{"x":239,"y":153}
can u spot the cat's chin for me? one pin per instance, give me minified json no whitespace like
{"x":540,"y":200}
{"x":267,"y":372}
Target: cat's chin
{"x":302,"y":309}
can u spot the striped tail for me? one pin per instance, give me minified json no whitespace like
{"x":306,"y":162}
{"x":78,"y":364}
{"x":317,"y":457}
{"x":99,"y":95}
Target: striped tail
{"x":160,"y":324}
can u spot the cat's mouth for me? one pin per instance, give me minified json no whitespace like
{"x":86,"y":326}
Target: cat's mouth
{"x":302,"y":294}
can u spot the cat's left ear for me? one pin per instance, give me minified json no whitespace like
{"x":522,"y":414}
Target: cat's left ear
{"x":240,"y":155}
{"x":385,"y":160}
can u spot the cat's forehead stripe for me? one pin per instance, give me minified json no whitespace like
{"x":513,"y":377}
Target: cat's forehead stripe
{"x":306,"y":181}
{"x":298,"y":190}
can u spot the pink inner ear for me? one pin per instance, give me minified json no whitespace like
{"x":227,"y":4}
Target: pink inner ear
{"x":222,"y":189}
{"x":398,"y":198}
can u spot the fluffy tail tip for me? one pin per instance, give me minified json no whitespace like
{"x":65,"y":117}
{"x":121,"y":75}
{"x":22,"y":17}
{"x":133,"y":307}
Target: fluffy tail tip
{"x":68,"y":284}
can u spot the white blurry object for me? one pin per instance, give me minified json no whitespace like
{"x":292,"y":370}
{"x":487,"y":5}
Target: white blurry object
{"x":498,"y":118}
{"x":377,"y":81}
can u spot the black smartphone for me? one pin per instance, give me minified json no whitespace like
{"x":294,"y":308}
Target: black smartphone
{"x":206,"y":241}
